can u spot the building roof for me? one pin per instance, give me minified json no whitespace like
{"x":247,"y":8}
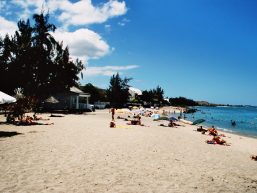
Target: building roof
{"x":78,"y":91}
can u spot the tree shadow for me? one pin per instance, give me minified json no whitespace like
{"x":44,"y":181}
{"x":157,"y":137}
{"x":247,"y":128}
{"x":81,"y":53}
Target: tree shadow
{"x":9,"y":133}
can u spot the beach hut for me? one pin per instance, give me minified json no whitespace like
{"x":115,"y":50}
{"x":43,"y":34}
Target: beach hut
{"x":74,"y":99}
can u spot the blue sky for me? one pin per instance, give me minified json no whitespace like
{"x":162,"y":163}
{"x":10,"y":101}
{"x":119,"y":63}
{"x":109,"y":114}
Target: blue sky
{"x":201,"y":49}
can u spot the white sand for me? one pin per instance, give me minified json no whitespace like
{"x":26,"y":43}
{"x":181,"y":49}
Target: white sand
{"x":80,"y":153}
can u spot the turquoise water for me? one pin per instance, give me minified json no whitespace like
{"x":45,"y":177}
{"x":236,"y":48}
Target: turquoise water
{"x":220,"y":117}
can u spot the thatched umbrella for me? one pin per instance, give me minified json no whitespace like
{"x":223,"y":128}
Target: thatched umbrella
{"x":52,"y":100}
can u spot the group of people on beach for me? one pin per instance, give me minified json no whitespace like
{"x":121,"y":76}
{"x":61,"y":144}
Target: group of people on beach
{"x":216,"y":137}
{"x":135,"y":121}
{"x":28,"y":120}
{"x":212,"y":131}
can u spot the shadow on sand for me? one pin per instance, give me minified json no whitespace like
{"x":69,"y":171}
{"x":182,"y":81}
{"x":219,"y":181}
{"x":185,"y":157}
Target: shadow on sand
{"x":8,"y":133}
{"x":4,"y":123}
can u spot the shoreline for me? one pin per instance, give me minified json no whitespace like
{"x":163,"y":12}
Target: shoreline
{"x":223,"y":129}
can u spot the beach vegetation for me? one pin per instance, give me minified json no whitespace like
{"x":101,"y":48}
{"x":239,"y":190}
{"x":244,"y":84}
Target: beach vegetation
{"x":33,"y":60}
{"x":117,"y":93}
{"x":182,"y":102}
{"x":96,"y":94}
{"x":153,"y":96}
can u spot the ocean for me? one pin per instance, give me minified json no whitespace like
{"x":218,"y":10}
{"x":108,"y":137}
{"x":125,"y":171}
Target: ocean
{"x":221,"y":117}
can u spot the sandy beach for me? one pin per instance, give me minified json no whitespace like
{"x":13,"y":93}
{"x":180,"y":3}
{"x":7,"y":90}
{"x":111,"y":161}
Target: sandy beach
{"x":80,"y":153}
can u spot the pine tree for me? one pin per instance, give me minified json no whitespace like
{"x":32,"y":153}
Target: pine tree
{"x":117,"y":92}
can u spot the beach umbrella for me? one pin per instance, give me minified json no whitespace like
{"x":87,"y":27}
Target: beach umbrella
{"x":163,"y":118}
{"x":52,"y":100}
{"x":198,"y":121}
{"x":137,"y":111}
{"x":172,"y":118}
{"x":155,"y":116}
{"x":5,"y":98}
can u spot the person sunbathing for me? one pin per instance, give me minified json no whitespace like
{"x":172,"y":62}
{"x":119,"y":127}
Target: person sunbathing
{"x":171,"y":124}
{"x":29,"y":121}
{"x":136,"y":121}
{"x":217,"y":140}
{"x":213,"y":131}
{"x":201,"y":129}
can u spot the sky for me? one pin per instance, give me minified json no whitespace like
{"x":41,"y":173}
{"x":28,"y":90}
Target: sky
{"x":201,"y":49}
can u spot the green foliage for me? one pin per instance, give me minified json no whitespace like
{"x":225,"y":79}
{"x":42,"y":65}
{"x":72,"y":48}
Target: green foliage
{"x":33,"y":60}
{"x":18,"y":109}
{"x":96,"y":93}
{"x":153,"y":96}
{"x":182,"y":101}
{"x":117,"y":93}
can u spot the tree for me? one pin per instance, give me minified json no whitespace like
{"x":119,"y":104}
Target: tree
{"x":33,"y":60}
{"x":22,"y":59}
{"x":153,"y":95}
{"x":147,"y":96}
{"x":117,"y":93}
{"x":5,"y":60}
{"x":158,"y":94}
{"x":96,"y":93}
{"x":182,"y":101}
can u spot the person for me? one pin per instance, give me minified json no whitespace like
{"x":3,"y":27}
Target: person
{"x":217,"y":140}
{"x":29,"y":121}
{"x":233,"y":123}
{"x":201,"y":129}
{"x":113,"y":113}
{"x":171,"y":124}
{"x":213,"y":131}
{"x":136,"y":121}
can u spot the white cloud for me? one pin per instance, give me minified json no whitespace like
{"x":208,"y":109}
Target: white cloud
{"x":29,"y":6}
{"x":107,"y":70}
{"x":7,"y":27}
{"x":123,"y":22}
{"x":84,"y":12}
{"x":107,"y":27}
{"x":83,"y":43}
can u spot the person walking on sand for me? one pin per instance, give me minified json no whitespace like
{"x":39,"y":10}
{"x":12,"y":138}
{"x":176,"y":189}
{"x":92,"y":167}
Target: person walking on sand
{"x":112,"y":110}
